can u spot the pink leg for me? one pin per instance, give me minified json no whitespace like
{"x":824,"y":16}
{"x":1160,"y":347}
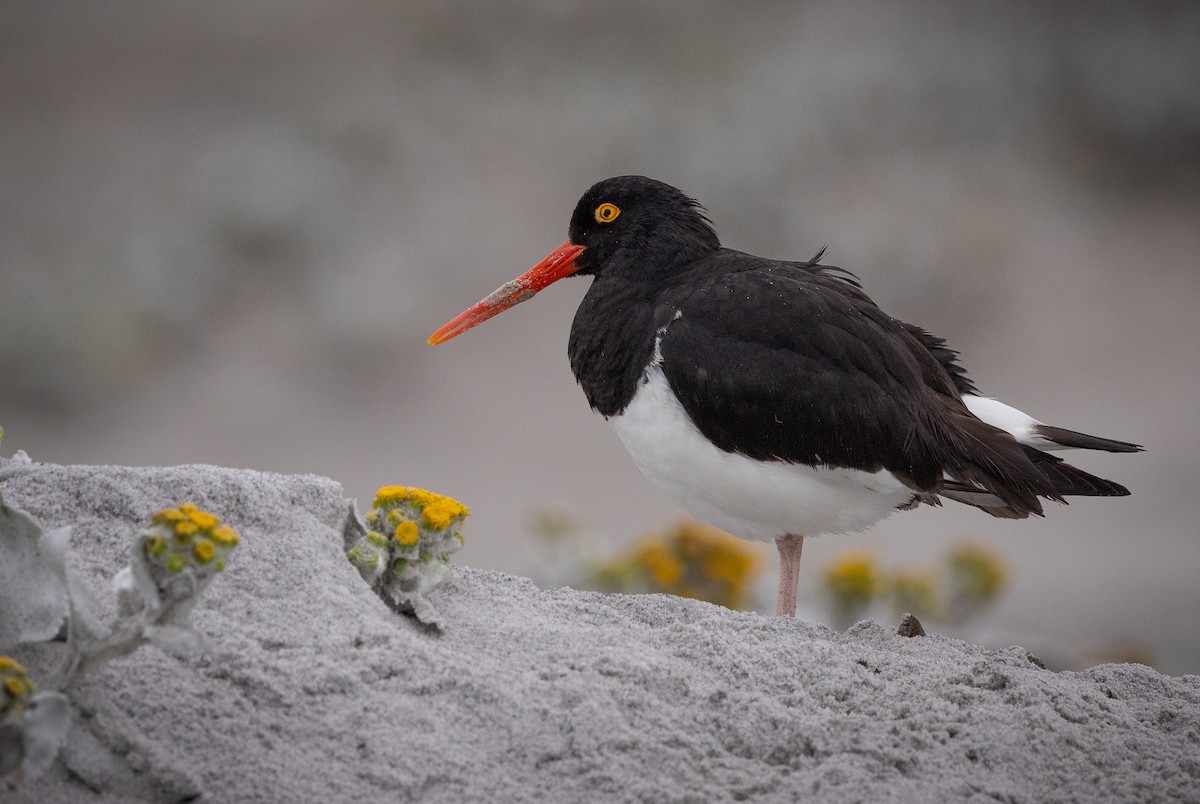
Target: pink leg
{"x":789,"y":574}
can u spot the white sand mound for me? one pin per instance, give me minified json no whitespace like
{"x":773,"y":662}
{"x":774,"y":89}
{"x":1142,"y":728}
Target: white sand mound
{"x":317,"y":692}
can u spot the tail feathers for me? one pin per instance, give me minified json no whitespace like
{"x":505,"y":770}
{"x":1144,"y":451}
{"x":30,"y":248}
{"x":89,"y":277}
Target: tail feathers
{"x":1071,"y":439}
{"x":1068,"y":481}
{"x":1029,"y":430}
{"x":1005,"y":478}
{"x":981,"y":499}
{"x":992,"y":462}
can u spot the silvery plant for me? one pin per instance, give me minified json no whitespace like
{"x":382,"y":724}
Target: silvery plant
{"x":403,"y":548}
{"x":170,"y":565}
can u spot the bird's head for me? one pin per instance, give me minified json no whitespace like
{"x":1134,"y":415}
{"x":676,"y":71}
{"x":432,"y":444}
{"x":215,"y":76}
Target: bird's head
{"x":629,"y":225}
{"x":638,"y":224}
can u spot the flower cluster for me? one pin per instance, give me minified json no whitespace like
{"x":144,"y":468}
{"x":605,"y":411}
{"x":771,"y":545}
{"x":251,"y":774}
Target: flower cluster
{"x":692,"y":560}
{"x":971,"y":578}
{"x":853,"y":580}
{"x":15,"y":690}
{"x":411,"y":535}
{"x":188,"y":537}
{"x":172,"y":562}
{"x":977,"y":576}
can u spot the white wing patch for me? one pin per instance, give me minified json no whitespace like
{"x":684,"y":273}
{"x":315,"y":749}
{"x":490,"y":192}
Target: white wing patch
{"x":1020,"y":425}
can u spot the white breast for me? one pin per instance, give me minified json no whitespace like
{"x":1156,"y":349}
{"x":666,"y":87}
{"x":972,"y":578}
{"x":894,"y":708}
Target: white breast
{"x":748,"y":498}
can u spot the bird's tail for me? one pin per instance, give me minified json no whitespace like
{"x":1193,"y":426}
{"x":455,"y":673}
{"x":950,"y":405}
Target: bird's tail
{"x":1024,"y":427}
{"x":1070,"y":439}
{"x":1070,"y":481}
{"x":1005,"y":478}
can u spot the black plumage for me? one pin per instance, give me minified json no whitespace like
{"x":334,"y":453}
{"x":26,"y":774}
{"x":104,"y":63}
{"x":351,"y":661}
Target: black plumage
{"x":787,"y":361}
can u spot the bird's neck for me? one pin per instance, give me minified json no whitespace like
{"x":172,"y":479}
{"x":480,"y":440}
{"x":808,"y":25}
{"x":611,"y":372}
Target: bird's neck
{"x":612,"y":340}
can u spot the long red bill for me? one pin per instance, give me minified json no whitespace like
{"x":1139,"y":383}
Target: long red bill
{"x":560,"y":263}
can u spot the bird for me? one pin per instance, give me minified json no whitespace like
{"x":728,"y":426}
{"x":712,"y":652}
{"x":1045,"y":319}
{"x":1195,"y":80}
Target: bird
{"x":774,"y":399}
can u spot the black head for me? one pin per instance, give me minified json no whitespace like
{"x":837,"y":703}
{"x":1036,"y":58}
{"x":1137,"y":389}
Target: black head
{"x":640,"y":223}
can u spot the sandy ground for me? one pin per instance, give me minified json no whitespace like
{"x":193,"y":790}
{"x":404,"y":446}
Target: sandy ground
{"x":314,"y":690}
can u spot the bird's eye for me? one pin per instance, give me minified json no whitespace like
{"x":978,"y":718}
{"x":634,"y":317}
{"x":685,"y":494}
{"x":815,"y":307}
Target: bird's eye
{"x":607,"y":213}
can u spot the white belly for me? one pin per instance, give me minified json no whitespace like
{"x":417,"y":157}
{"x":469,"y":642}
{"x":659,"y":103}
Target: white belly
{"x":748,"y":498}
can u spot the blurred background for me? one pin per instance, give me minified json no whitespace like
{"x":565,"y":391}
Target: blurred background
{"x":226,"y":230}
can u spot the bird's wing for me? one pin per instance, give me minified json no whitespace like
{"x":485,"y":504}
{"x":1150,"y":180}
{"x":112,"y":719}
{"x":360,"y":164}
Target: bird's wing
{"x":946,"y":357}
{"x":777,"y":362}
{"x":844,"y":282}
{"x":777,"y":366}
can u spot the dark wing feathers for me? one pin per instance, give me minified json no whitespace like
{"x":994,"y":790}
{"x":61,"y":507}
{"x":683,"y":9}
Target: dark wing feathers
{"x":939,"y":361}
{"x":946,"y":357}
{"x":778,"y":368}
{"x":786,"y":361}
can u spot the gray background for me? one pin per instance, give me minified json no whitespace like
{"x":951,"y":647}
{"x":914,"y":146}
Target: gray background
{"x":227,"y":229}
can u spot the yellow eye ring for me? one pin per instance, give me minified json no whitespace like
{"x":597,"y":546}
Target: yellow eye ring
{"x":607,"y":213}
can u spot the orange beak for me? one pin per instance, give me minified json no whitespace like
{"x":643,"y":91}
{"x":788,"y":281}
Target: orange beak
{"x":560,"y":263}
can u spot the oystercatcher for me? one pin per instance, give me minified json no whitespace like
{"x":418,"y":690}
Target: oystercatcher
{"x":774,"y":399}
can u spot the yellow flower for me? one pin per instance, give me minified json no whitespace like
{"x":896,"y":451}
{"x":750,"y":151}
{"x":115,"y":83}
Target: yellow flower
{"x":441,"y":512}
{"x":665,"y":570}
{"x":175,"y":562}
{"x":978,"y":572}
{"x":203,"y":520}
{"x":186,"y":529}
{"x":420,"y":497}
{"x":852,"y":577}
{"x":225,"y":536}
{"x":167,"y":517}
{"x":730,"y":560}
{"x":15,"y":684}
{"x":390,"y":494}
{"x":156,"y":545}
{"x":662,"y":566}
{"x":203,"y":551}
{"x":407,"y":534}
{"x":718,"y":567}
{"x":188,"y":508}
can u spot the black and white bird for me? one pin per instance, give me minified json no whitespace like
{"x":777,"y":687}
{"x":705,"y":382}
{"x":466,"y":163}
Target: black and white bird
{"x":774,"y":399}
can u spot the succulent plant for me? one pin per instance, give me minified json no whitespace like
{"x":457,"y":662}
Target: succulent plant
{"x":172,"y":561}
{"x":403,"y":550}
